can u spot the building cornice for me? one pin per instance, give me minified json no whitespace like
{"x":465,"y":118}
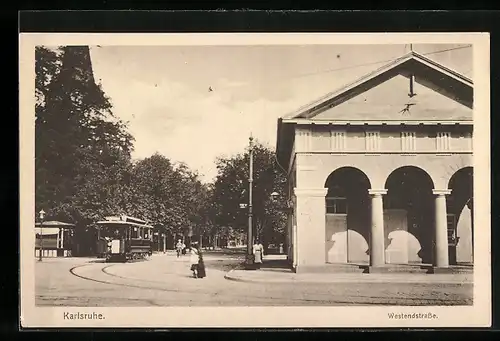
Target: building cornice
{"x":378,"y":122}
{"x":386,"y":152}
{"x":310,"y":192}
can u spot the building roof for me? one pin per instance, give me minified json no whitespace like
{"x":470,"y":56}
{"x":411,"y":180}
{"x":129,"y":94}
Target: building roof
{"x":431,"y":74}
{"x":125,"y":218}
{"x":53,"y":223}
{"x":423,"y":67}
{"x":47,"y":231}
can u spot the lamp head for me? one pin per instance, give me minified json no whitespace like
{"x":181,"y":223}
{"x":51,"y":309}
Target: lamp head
{"x":41,"y":214}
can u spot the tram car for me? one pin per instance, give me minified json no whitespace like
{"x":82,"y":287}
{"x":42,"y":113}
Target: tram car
{"x":124,"y":238}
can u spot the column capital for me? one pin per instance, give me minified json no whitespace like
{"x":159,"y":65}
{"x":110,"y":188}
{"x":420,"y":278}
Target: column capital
{"x":310,"y":192}
{"x":441,"y":191}
{"x":377,"y":191}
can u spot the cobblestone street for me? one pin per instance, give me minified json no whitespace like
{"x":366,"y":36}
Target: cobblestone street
{"x":165,"y":280}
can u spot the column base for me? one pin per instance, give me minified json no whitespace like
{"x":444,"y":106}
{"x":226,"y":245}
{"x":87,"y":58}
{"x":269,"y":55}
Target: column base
{"x":379,"y":269}
{"x":439,"y":270}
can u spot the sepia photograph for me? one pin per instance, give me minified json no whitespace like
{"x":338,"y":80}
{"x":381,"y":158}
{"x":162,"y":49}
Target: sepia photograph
{"x":322,"y":175}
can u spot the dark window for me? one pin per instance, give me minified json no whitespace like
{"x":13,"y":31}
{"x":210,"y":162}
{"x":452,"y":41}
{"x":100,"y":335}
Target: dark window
{"x":452,"y":235}
{"x":336,"y":205}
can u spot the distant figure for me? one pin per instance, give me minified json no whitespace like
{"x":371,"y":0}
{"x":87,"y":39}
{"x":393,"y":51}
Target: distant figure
{"x":281,"y":248}
{"x":194,"y":259}
{"x":258,"y":251}
{"x":179,"y":247}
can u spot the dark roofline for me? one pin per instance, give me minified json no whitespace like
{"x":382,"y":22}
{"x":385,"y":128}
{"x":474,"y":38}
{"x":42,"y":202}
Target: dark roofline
{"x":316,"y":104}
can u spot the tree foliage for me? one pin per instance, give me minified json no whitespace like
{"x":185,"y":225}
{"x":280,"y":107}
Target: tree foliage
{"x":84,"y":169}
{"x":231,"y":189}
{"x":78,"y":140}
{"x":169,"y":195}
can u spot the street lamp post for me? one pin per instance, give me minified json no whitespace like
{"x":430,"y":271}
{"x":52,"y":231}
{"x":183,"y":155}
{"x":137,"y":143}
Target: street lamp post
{"x":42,"y":215}
{"x":250,"y":257}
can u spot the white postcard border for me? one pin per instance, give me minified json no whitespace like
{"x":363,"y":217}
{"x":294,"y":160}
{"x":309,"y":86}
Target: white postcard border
{"x":478,"y":315}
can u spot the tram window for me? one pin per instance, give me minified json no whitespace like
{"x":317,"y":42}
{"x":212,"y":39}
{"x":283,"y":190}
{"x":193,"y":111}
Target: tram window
{"x":135,"y":233}
{"x":336,"y":205}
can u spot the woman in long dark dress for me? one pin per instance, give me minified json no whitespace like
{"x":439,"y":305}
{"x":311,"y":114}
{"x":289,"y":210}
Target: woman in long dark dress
{"x":201,"y":265}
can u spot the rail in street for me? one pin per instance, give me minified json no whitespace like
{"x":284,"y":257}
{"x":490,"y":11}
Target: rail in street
{"x":165,"y":280}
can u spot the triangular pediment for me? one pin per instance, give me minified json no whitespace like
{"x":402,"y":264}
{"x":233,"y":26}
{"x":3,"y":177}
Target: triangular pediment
{"x":410,"y":88}
{"x":391,"y":101}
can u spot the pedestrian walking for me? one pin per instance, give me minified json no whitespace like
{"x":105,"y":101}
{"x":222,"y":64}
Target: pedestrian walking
{"x":194,"y":259}
{"x":201,"y":265}
{"x":180,"y":246}
{"x":258,"y":252}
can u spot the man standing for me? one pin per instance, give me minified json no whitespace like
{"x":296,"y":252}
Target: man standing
{"x":179,"y":247}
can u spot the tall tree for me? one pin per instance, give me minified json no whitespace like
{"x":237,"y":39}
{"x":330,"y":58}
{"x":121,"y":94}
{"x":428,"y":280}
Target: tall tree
{"x":77,"y":135}
{"x":169,"y":195}
{"x":231,"y":190}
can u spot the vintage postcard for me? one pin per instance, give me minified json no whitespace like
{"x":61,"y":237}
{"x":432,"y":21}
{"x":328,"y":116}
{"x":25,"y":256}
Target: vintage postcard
{"x":255,"y":180}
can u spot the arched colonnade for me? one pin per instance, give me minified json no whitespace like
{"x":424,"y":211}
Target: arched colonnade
{"x":415,"y":217}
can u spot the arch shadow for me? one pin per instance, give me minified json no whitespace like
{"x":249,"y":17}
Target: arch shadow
{"x":460,"y":209}
{"x":347,"y":215}
{"x":409,"y":215}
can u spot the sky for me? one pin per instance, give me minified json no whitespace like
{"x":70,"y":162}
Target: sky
{"x":163,"y":92}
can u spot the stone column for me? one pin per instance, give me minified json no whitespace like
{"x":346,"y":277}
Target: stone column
{"x":310,"y":231}
{"x":377,"y":247}
{"x":441,"y":260}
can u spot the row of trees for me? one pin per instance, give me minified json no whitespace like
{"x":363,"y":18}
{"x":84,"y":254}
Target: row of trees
{"x":84,"y":169}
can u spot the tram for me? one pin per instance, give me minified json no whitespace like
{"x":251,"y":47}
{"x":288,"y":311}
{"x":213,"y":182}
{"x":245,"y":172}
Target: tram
{"x":124,"y":238}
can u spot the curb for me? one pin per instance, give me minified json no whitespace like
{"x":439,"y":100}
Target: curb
{"x":230,"y":277}
{"x":239,"y":279}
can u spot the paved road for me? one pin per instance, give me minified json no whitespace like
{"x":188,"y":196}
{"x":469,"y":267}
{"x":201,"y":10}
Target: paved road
{"x":165,"y":280}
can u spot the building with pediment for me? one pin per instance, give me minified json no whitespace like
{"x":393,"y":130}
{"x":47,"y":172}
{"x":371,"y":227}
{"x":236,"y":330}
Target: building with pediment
{"x":380,"y":172}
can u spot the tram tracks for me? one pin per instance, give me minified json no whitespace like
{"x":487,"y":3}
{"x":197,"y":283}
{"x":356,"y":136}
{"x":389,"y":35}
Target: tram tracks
{"x":102,"y":274}
{"x":105,"y":270}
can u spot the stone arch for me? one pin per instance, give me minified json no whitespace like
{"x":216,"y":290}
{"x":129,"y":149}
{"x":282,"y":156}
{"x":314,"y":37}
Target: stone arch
{"x":338,"y":171}
{"x":459,"y":206}
{"x":347,"y":216}
{"x":408,"y":215}
{"x":451,"y":168}
{"x":421,"y":169}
